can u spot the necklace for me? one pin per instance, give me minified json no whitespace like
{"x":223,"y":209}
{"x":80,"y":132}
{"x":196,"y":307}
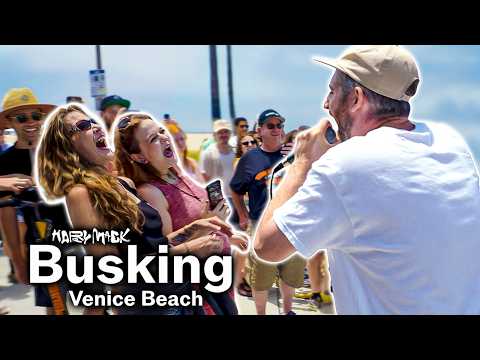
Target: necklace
{"x":191,"y":193}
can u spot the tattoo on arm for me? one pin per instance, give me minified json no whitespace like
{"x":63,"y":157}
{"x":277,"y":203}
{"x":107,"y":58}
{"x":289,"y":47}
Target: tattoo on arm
{"x":183,"y":235}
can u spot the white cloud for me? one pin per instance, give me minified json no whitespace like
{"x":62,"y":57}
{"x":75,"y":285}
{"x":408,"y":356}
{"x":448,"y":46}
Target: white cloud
{"x":464,"y":96}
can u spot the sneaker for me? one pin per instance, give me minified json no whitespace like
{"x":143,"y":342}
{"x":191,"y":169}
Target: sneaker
{"x":303,"y":293}
{"x":322,"y":300}
{"x":4,"y":310}
{"x":326,"y":298}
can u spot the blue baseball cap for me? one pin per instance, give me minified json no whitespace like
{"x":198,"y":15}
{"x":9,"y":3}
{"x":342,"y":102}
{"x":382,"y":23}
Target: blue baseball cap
{"x":264,"y":116}
{"x":114,"y":100}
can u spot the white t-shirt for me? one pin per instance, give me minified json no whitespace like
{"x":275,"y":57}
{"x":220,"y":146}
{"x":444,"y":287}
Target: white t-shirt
{"x":399,"y":212}
{"x":233,"y":141}
{"x":218,"y":166}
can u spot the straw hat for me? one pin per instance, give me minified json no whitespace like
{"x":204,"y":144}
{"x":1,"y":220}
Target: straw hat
{"x":20,"y":98}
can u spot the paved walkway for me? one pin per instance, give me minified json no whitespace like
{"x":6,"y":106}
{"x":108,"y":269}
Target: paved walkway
{"x":246,"y":305}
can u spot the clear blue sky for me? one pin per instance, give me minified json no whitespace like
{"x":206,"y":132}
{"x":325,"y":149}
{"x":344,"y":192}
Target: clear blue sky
{"x":175,"y":80}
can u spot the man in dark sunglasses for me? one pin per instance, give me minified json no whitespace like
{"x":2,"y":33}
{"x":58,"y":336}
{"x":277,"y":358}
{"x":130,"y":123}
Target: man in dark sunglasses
{"x":25,"y":114}
{"x":240,"y":129}
{"x":251,"y":176}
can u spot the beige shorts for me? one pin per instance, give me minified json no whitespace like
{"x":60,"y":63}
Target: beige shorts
{"x":261,"y":275}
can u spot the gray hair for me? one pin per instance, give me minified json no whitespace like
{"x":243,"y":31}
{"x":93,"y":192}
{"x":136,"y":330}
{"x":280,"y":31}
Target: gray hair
{"x":382,"y":106}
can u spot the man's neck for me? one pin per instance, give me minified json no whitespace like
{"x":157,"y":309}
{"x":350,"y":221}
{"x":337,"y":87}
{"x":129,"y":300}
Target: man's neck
{"x":402,"y":123}
{"x":271,"y":146}
{"x":223,"y":148}
{"x":20,"y":144}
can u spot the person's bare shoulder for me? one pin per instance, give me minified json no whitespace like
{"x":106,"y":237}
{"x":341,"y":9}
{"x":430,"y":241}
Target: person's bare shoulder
{"x":77,"y":193}
{"x":80,"y":209}
{"x":152,"y":195}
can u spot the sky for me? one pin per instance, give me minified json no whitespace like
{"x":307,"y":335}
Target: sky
{"x":176,"y":80}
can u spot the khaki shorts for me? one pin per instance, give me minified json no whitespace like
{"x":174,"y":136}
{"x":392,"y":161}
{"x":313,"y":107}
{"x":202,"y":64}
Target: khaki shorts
{"x":261,"y":275}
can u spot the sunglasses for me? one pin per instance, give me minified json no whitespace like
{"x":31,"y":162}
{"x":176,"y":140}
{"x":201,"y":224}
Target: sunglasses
{"x":125,"y":121}
{"x":273,"y":126}
{"x":246,"y":143}
{"x":244,"y":126}
{"x":23,"y":118}
{"x":82,"y":125}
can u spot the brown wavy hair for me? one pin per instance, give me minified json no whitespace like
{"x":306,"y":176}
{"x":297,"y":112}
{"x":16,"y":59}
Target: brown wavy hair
{"x":126,"y":144}
{"x":60,"y":168}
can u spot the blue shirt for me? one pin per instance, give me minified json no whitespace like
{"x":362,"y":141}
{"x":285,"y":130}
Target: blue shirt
{"x":251,"y":176}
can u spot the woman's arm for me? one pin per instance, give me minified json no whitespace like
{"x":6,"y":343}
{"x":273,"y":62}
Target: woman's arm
{"x":157,"y":200}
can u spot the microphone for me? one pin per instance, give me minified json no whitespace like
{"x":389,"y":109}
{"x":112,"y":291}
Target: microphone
{"x":288,"y":160}
{"x":330,"y":136}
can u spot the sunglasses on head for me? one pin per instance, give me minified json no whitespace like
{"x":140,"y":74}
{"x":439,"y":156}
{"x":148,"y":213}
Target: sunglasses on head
{"x":271,"y":126}
{"x":23,"y":118}
{"x":125,"y":121}
{"x":246,"y":143}
{"x":82,"y":125}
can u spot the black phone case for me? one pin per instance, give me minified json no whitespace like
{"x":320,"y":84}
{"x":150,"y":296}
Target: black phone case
{"x":215,"y":195}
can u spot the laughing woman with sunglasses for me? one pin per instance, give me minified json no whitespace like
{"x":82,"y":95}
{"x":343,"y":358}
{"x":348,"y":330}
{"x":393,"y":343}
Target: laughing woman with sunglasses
{"x":74,"y":161}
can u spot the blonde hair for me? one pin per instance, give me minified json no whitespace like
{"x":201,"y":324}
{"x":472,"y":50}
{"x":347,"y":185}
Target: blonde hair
{"x":175,"y":129}
{"x":60,"y":168}
{"x":126,"y":144}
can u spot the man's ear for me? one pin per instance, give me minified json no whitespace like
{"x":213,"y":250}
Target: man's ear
{"x":139,"y":158}
{"x":359,"y":99}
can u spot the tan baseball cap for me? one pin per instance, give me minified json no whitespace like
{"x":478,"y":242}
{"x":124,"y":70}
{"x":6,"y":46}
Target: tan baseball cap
{"x":221,"y":125}
{"x":388,"y":70}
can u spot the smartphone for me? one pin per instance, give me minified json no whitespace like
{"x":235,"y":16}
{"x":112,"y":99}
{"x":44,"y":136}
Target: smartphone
{"x":215,"y":195}
{"x":331,"y":136}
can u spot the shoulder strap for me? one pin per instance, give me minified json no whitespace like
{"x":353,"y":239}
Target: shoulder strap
{"x":127,"y":186}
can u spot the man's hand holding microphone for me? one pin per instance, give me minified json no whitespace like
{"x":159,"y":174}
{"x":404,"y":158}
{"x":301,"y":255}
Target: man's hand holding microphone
{"x":311,"y":144}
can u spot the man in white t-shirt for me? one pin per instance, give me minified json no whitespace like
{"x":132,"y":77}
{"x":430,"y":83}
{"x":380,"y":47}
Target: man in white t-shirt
{"x":396,"y":203}
{"x":216,"y":162}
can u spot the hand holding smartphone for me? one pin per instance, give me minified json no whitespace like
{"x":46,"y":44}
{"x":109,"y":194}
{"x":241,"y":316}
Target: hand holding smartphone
{"x":215,"y":195}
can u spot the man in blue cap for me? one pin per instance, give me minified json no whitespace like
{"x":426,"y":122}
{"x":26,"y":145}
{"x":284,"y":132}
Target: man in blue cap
{"x":111,"y":106}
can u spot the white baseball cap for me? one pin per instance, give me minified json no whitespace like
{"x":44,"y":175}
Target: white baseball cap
{"x":221,"y":125}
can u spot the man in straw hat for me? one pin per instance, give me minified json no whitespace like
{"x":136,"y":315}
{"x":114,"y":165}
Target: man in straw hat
{"x":25,"y":114}
{"x":396,"y":202}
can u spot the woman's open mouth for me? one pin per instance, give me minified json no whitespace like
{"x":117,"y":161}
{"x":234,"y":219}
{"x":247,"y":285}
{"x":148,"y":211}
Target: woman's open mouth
{"x":101,"y":143}
{"x":168,"y":152}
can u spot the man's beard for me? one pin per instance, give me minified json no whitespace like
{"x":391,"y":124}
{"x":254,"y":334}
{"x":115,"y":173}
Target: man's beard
{"x":345,"y":128}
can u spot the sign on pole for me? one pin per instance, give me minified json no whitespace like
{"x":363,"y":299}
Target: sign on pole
{"x":98,"y":86}
{"x":97,"y":83}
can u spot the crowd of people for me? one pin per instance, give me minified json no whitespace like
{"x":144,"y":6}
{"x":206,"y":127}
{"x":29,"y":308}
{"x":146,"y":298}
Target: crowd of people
{"x":150,"y":183}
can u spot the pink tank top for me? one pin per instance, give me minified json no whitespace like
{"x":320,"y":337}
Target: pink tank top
{"x":183,"y":207}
